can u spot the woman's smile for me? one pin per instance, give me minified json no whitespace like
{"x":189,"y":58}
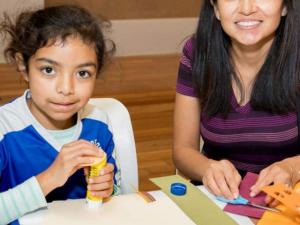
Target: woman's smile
{"x":248,"y":24}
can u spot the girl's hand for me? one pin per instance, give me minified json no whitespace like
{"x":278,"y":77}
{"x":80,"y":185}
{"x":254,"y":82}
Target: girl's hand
{"x":222,"y":179}
{"x":279,"y":172}
{"x":71,"y":157}
{"x":103,"y":185}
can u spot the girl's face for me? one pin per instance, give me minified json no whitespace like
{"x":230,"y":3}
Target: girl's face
{"x":250,"y":22}
{"x":61,"y":80}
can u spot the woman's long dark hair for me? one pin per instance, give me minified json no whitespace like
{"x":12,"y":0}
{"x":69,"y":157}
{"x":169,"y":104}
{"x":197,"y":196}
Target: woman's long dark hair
{"x":277,"y":82}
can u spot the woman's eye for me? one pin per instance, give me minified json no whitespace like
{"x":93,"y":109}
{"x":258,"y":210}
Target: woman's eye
{"x":84,"y":74}
{"x":48,"y":70}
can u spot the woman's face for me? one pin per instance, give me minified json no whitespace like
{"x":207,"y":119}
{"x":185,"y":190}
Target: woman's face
{"x":250,"y":22}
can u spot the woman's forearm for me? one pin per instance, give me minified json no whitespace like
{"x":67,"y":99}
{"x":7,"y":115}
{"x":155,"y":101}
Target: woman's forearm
{"x":294,"y":165}
{"x":191,"y":162}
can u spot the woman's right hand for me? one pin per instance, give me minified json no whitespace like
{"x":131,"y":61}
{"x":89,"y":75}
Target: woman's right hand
{"x":221,"y":178}
{"x":72,"y":156}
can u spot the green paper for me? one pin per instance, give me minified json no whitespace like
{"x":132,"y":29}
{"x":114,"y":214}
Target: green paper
{"x":195,"y":204}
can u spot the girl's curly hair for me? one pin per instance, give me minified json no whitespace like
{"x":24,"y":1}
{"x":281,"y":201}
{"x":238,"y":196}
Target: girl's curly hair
{"x":36,"y":29}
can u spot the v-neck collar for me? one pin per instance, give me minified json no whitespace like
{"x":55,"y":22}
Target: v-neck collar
{"x":240,"y":108}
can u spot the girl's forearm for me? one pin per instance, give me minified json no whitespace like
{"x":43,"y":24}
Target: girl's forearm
{"x":46,"y":181}
{"x":22,"y":199}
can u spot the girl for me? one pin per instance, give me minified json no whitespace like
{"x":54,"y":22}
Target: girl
{"x":50,"y":133}
{"x":237,"y":86}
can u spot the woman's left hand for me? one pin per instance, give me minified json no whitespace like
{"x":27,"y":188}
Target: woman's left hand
{"x":279,"y":172}
{"x":102,"y":185}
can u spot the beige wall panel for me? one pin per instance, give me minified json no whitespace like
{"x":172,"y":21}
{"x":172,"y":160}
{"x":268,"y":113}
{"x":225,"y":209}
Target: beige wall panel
{"x":137,"y":9}
{"x":151,"y":36}
{"x":14,"y":7}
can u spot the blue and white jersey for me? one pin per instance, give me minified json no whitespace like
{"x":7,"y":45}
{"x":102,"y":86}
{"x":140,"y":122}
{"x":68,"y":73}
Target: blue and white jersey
{"x":27,"y":149}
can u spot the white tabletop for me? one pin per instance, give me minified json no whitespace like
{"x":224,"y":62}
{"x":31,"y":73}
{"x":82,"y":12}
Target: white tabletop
{"x":128,"y":209}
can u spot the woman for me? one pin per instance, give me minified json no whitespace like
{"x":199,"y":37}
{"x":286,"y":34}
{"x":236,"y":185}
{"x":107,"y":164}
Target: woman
{"x":237,"y":86}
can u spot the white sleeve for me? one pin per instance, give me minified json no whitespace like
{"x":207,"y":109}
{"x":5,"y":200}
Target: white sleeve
{"x":22,"y":199}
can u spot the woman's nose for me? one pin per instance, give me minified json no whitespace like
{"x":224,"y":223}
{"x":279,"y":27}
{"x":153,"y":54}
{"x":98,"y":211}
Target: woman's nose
{"x":247,"y":7}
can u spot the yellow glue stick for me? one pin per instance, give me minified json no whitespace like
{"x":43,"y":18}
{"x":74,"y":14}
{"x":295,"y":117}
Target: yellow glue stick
{"x":99,"y":163}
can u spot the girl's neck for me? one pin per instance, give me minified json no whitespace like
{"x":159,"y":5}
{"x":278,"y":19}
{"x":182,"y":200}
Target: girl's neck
{"x":62,"y":125}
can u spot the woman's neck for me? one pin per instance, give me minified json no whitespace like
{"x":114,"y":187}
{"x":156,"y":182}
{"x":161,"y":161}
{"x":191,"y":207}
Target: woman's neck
{"x":249,"y":59}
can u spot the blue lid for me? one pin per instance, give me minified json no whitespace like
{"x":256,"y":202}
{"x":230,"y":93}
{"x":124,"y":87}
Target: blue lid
{"x":178,"y":189}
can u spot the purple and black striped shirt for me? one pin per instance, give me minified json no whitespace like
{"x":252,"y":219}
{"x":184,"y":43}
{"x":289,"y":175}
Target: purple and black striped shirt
{"x":250,"y":139}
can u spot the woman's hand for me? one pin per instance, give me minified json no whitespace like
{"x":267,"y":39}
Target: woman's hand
{"x":279,"y":172}
{"x":71,"y":157}
{"x":222,"y":179}
{"x":102,"y":185}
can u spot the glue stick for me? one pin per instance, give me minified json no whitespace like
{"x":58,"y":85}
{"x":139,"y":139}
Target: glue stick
{"x":95,"y":168}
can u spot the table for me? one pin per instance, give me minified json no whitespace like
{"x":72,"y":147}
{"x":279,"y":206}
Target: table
{"x":128,"y":209}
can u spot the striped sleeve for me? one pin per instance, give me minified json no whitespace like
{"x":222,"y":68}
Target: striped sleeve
{"x":184,"y":80}
{"x":20,"y":200}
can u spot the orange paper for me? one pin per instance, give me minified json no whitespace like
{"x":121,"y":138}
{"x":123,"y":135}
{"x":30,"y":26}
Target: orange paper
{"x":287,"y":216}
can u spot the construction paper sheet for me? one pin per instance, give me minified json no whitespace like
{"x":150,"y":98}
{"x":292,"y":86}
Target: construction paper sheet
{"x":194,"y":203}
{"x":286,"y":217}
{"x":245,"y":210}
{"x":128,"y":209}
{"x":243,"y":220}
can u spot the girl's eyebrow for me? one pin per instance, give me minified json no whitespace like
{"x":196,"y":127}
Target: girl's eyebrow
{"x":48,"y":61}
{"x":87,"y":64}
{"x":59,"y":64}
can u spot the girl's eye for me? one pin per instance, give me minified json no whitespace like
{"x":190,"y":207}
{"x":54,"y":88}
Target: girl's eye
{"x":84,"y":74}
{"x":48,"y":70}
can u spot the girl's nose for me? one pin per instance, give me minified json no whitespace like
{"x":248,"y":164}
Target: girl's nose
{"x":65,"y":85}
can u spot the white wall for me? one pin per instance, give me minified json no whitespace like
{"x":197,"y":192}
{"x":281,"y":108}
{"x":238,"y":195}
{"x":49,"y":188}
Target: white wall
{"x":13,"y":7}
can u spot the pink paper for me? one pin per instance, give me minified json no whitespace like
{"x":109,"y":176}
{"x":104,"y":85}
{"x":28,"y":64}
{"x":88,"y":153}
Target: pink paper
{"x":244,"y":188}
